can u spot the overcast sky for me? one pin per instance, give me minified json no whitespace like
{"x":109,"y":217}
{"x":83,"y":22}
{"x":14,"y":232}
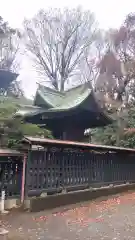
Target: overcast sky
{"x":108,"y":14}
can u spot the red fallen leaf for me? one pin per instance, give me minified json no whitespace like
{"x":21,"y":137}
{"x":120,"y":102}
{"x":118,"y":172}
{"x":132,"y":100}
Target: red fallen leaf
{"x":80,"y":213}
{"x":85,"y":222}
{"x":41,"y":218}
{"x":99,"y":219}
{"x":58,"y":214}
{"x":54,"y":215}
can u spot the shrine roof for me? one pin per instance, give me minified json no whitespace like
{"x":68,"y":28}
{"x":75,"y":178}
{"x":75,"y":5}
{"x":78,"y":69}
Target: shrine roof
{"x":51,"y":104}
{"x":61,"y":100}
{"x":50,"y":100}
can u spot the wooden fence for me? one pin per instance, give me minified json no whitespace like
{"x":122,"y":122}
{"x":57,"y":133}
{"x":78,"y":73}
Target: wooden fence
{"x":57,"y":166}
{"x":67,"y":166}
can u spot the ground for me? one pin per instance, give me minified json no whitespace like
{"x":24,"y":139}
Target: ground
{"x":110,"y":219}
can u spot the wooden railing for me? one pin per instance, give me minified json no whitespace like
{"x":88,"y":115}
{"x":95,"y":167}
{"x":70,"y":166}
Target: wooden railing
{"x":59,"y":167}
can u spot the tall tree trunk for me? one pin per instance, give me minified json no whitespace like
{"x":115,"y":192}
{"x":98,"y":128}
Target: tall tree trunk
{"x":62,"y":85}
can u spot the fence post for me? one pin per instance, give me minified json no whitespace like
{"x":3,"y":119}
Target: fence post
{"x":2,"y":207}
{"x":27,"y":168}
{"x":3,"y":232}
{"x":2,"y":201}
{"x":23,"y":178}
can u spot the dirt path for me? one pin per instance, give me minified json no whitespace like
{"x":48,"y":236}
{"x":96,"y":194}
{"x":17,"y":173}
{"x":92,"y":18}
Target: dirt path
{"x":97,"y":220}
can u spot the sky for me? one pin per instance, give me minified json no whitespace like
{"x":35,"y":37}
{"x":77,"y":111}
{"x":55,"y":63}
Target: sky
{"x":109,"y":14}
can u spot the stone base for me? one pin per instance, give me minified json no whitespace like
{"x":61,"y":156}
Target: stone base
{"x":4,"y":212}
{"x":27,"y":204}
{"x":36,"y":204}
{"x":10,"y":204}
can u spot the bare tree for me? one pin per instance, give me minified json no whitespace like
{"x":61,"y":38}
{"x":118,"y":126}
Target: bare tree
{"x":89,"y":67}
{"x":119,"y":61}
{"x":57,"y":42}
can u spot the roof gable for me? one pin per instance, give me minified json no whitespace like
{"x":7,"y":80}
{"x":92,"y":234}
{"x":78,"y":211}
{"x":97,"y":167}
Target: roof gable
{"x":50,"y":98}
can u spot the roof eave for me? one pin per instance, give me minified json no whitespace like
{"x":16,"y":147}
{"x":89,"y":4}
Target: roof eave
{"x":43,"y":141}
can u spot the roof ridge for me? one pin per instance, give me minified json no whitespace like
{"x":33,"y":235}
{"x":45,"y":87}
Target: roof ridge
{"x":29,"y":106}
{"x":46,"y":89}
{"x":78,"y":86}
{"x":53,"y":93}
{"x":65,"y":91}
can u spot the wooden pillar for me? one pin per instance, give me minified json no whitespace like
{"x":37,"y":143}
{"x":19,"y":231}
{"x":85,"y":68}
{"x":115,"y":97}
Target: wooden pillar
{"x":69,"y":134}
{"x":23,"y":178}
{"x":73,"y":134}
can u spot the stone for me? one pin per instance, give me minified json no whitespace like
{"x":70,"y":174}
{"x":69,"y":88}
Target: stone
{"x":3,"y":234}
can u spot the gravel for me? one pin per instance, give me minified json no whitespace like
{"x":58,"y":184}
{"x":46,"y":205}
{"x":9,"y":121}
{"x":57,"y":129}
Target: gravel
{"x":110,"y":219}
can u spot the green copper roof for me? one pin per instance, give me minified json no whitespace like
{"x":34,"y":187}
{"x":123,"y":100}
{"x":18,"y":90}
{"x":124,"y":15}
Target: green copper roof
{"x":54,"y":99}
{"x":48,"y":97}
{"x":49,"y":100}
{"x":77,"y":103}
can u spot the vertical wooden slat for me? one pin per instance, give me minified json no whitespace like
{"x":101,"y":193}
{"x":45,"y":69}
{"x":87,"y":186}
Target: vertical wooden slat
{"x":63,"y":166}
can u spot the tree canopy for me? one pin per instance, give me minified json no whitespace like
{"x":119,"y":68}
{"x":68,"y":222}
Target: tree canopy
{"x":122,"y":134}
{"x":60,"y":42}
{"x":13,"y":129}
{"x":68,"y":48}
{"x":117,"y":80}
{"x":9,"y":47}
